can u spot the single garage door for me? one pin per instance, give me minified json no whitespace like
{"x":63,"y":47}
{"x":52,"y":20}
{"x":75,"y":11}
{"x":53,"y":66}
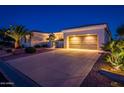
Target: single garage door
{"x":83,"y":42}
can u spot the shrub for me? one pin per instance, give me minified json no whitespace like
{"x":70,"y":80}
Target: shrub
{"x":44,"y":46}
{"x":37,"y":46}
{"x":22,"y":46}
{"x":115,"y":55}
{"x":30,"y":50}
{"x":1,"y":42}
{"x":1,"y":48}
{"x":9,"y":50}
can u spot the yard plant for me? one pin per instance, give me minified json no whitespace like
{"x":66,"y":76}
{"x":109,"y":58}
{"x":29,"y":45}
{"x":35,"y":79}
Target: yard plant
{"x":37,"y":46}
{"x":30,"y":50}
{"x":115,"y":54}
{"x":52,"y":39}
{"x":17,"y":33}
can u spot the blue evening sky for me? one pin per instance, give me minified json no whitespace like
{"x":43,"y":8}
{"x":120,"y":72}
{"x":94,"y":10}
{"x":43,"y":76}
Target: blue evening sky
{"x":55,"y":18}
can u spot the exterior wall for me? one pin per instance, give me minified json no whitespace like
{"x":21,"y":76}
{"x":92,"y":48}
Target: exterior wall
{"x":103,"y":36}
{"x":107,"y":37}
{"x":98,"y":32}
{"x":39,"y":38}
{"x":59,"y":44}
{"x":59,"y":35}
{"x":26,"y":42}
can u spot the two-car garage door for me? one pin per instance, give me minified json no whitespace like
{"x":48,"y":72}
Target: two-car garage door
{"x":83,"y":42}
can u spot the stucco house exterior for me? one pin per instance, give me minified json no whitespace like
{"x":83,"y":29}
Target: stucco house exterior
{"x":86,"y":37}
{"x":39,"y":38}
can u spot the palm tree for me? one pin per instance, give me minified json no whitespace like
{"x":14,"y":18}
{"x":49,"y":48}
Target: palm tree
{"x":52,"y":39}
{"x":17,"y":33}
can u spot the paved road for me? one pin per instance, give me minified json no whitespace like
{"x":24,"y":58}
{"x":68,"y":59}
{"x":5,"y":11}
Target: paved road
{"x":58,"y":68}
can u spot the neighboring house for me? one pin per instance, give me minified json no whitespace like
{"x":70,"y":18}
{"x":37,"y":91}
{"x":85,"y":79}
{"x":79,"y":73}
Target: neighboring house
{"x":86,"y":37}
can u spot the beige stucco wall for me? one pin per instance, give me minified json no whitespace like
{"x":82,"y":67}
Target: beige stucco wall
{"x":59,"y":35}
{"x":39,"y":37}
{"x":99,"y":30}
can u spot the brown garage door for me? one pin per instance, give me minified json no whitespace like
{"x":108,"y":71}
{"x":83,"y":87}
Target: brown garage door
{"x":83,"y":42}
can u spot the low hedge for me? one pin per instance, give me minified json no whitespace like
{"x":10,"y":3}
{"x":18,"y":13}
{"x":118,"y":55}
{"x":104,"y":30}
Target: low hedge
{"x":37,"y":46}
{"x":9,"y":50}
{"x":41,"y":46}
{"x":30,"y":50}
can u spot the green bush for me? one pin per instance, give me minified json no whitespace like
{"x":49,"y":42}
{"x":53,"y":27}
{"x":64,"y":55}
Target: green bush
{"x":2,"y":42}
{"x":30,"y":50}
{"x":37,"y":46}
{"x":9,"y":50}
{"x":44,"y":46}
{"x":41,"y":46}
{"x":1,"y":48}
{"x":115,"y":55}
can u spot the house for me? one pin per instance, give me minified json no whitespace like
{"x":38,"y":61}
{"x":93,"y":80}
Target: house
{"x":39,"y":38}
{"x":86,"y":37}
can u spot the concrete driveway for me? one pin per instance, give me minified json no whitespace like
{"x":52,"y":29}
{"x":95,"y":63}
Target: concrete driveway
{"x":61,"y":67}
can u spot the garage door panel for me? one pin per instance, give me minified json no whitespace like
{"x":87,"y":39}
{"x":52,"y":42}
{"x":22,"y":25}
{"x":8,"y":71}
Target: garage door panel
{"x":75,"y":42}
{"x":75,"y":46}
{"x":85,"y":46}
{"x":89,"y":46}
{"x":83,"y":42}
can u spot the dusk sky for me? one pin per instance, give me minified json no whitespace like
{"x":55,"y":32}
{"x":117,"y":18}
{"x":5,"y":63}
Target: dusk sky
{"x":56,"y":18}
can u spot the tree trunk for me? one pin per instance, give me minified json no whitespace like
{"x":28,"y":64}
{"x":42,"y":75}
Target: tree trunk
{"x":17,"y":45}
